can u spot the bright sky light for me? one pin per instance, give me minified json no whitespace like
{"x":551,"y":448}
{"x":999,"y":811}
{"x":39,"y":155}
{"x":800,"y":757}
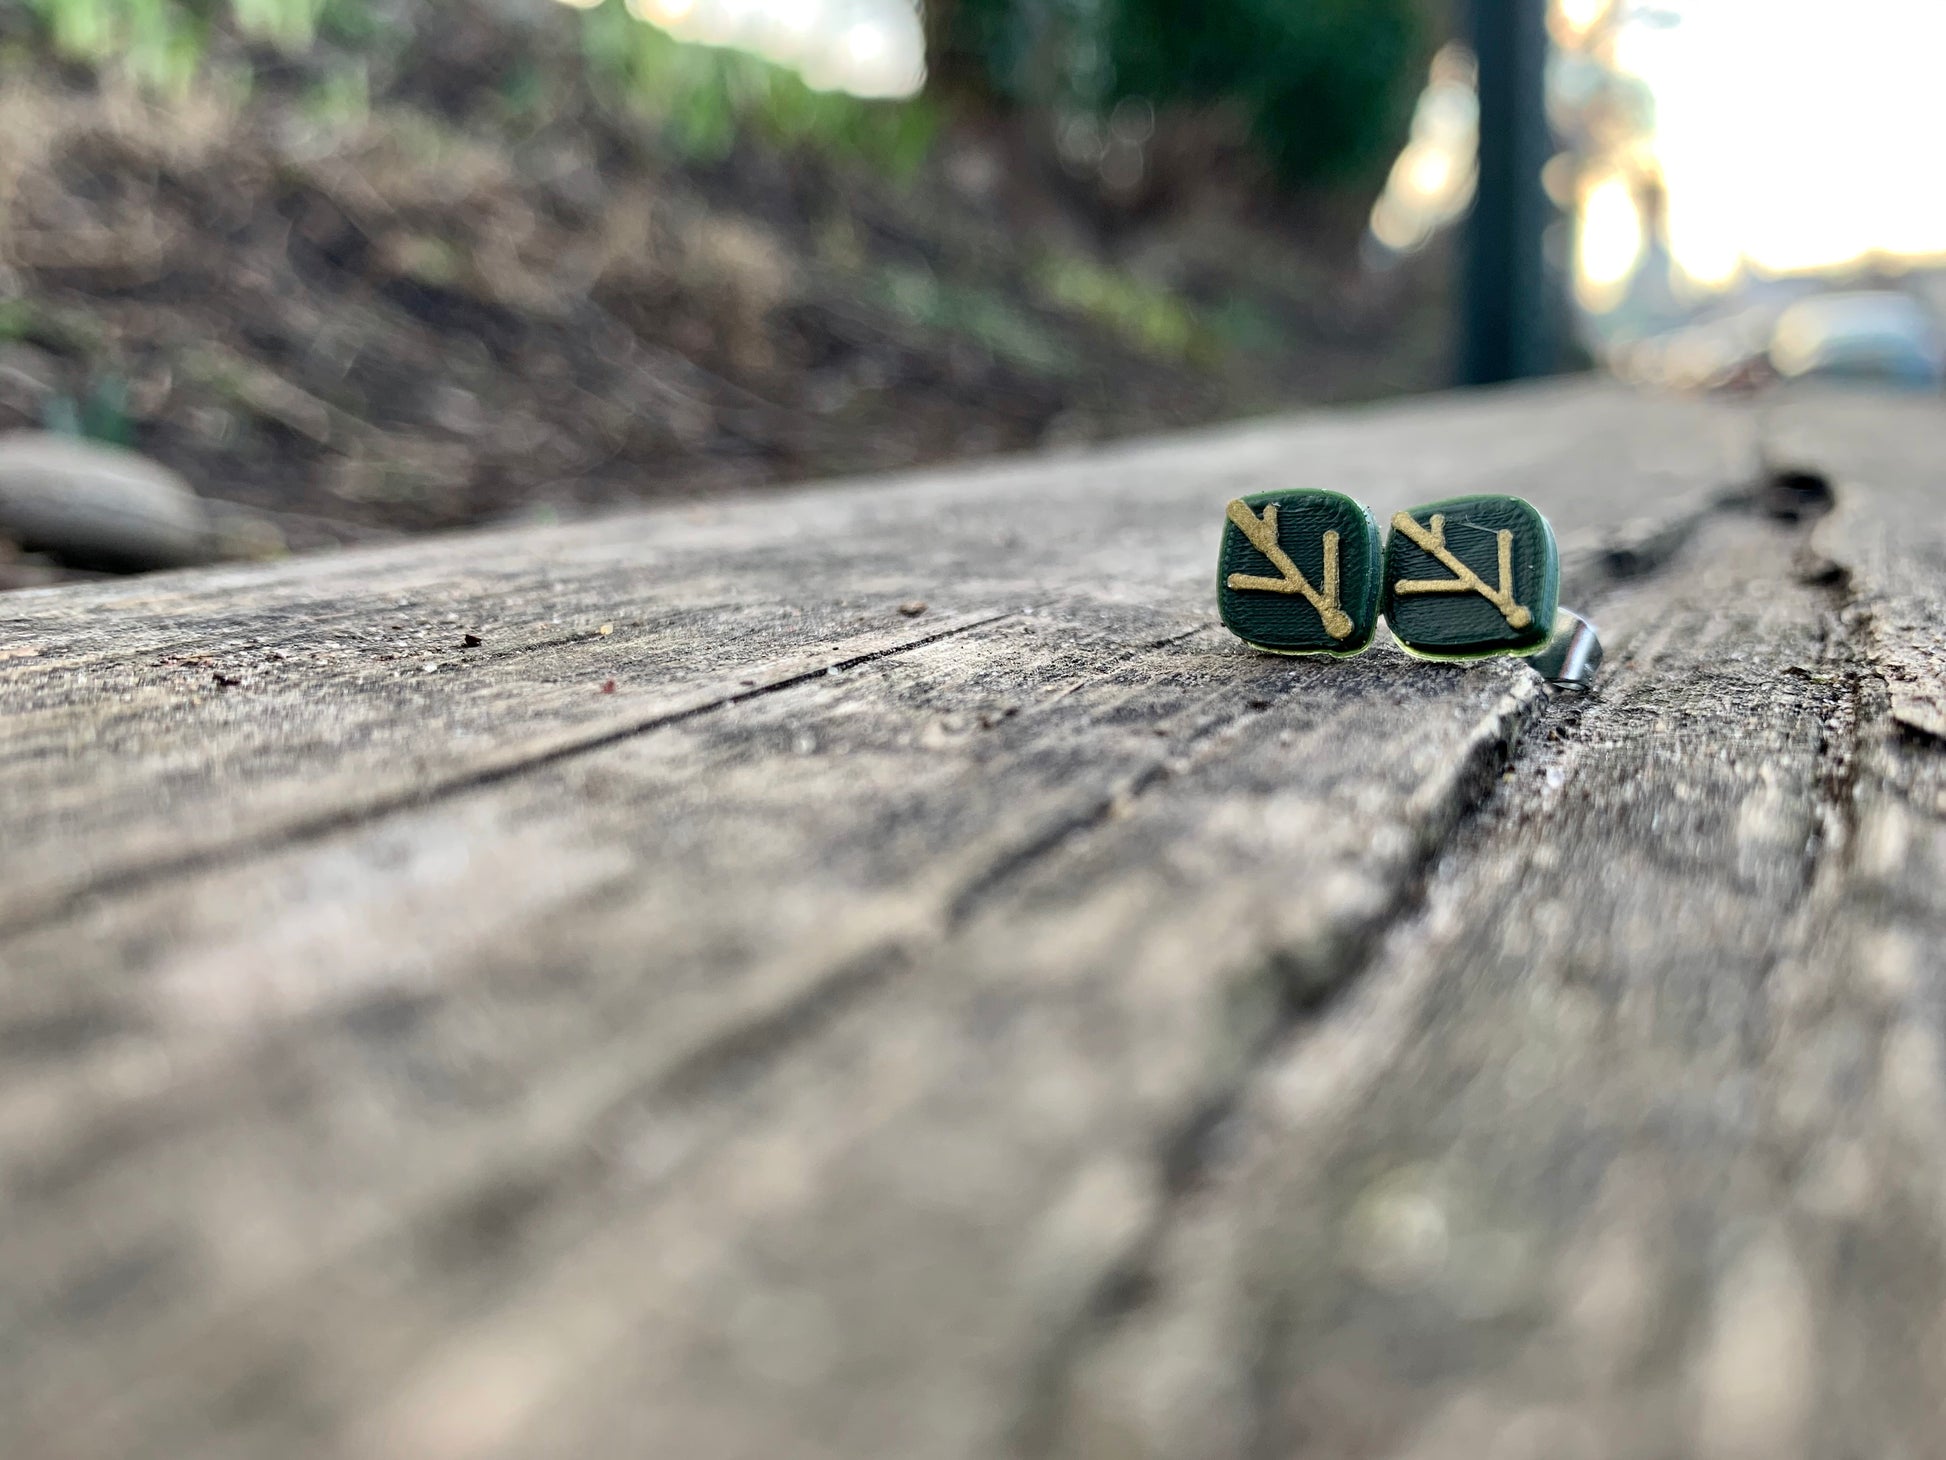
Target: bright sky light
{"x":1797,"y":134}
{"x":1610,"y":238}
{"x":866,"y":47}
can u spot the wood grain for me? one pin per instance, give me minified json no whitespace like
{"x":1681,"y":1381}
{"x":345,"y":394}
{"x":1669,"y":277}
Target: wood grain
{"x":1036,"y":1025}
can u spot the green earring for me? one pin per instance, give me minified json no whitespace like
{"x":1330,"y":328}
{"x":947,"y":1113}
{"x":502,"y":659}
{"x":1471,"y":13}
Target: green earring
{"x":1471,"y":577}
{"x":1300,"y":573}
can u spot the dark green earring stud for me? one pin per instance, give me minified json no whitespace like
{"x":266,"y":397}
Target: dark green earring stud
{"x":1299,"y":573}
{"x":1471,"y":577}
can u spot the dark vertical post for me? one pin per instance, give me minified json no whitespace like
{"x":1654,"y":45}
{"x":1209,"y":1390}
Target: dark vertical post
{"x":1507,"y":329}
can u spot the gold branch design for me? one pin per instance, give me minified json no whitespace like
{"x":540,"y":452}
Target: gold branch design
{"x":1262,"y":533}
{"x":1465,"y":580}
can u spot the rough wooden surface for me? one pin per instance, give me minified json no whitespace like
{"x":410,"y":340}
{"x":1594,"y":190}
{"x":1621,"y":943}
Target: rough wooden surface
{"x":1032,"y":1026}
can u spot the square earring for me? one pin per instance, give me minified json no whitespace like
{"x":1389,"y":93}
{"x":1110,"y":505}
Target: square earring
{"x":1299,"y":572}
{"x":1471,"y":577}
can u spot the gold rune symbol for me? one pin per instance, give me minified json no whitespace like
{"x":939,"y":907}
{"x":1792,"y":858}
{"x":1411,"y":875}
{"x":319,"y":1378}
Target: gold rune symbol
{"x":1262,"y":533}
{"x":1433,"y":540}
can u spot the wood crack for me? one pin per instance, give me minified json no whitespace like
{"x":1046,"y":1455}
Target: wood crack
{"x":1303,"y":987}
{"x":1011,"y":866}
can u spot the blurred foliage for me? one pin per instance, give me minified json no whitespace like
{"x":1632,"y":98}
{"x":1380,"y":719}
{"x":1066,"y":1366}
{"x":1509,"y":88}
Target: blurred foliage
{"x":1052,"y":52}
{"x":705,"y":97}
{"x":985,"y":316}
{"x":162,"y":42}
{"x":1143,"y":315}
{"x":1148,"y":317}
{"x":66,"y":332}
{"x":100,"y":414}
{"x":1326,"y":86}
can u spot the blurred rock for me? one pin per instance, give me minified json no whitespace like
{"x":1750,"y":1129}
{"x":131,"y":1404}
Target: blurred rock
{"x":97,"y":506}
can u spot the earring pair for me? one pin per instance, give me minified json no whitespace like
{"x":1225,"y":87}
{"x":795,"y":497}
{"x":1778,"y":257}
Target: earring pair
{"x":1303,"y":572}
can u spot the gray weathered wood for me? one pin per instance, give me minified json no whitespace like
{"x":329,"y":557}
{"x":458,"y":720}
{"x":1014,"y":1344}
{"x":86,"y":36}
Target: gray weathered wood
{"x":1035,"y":1025}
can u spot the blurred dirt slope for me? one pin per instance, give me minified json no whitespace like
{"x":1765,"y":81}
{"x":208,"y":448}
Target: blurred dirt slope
{"x":462,"y":286}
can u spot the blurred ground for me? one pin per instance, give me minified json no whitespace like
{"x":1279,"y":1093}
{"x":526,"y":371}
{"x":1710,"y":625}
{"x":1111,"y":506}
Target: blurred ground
{"x":467,"y":290}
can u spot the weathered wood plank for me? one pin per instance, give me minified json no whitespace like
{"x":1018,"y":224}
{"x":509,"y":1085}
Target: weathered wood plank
{"x":814,"y":1065}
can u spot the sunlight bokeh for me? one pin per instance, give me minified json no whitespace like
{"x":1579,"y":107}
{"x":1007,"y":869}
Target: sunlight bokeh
{"x":1791,"y":135}
{"x":870,"y":48}
{"x":1609,"y":241}
{"x":1433,"y":179}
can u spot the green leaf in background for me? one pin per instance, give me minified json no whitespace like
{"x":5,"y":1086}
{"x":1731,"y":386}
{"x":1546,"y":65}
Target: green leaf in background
{"x":705,"y":97}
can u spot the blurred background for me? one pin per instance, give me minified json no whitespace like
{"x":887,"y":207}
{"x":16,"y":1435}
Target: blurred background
{"x":354,"y":268}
